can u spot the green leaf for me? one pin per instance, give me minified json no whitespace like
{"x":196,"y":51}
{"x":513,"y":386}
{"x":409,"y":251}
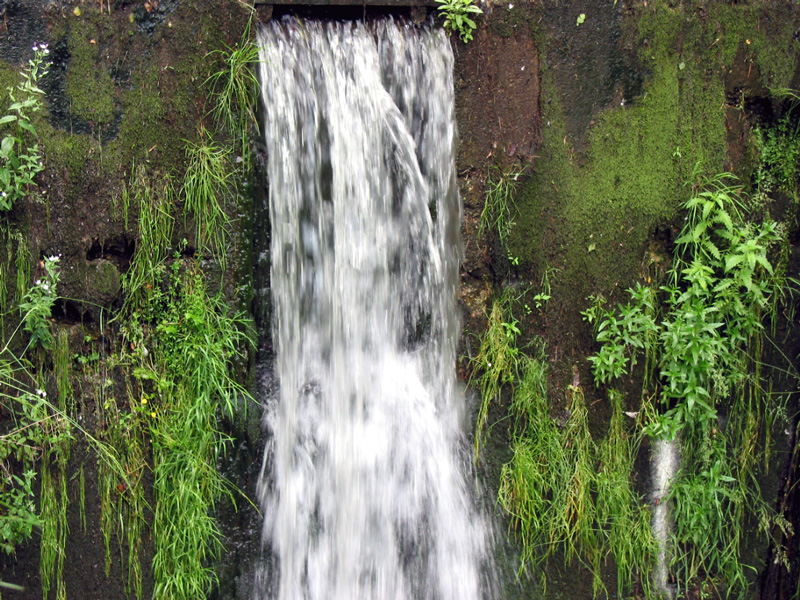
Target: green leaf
{"x":7,"y":146}
{"x":733,"y":261}
{"x":8,"y":119}
{"x":26,"y":125}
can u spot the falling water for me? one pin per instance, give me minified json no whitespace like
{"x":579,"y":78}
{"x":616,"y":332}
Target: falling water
{"x":363,"y":489}
{"x":665,"y":462}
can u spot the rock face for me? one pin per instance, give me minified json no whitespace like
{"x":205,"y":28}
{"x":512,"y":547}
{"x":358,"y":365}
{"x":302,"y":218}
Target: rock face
{"x":602,"y":117}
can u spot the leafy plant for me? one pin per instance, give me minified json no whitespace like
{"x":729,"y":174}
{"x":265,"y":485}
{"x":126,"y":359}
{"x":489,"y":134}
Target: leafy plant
{"x":702,"y":338}
{"x":38,"y":304}
{"x":565,"y":493}
{"x":195,"y":340}
{"x":19,"y":163}
{"x":456,"y":17}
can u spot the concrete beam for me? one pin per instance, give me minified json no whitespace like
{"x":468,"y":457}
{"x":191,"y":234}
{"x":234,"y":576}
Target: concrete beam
{"x":366,"y":3}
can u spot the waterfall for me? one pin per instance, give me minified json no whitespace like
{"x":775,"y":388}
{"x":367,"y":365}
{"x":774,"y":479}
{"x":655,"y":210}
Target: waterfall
{"x":665,"y":462}
{"x":363,"y":487}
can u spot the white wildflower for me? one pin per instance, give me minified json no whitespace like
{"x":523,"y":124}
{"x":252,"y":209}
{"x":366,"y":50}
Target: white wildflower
{"x":41,"y":393}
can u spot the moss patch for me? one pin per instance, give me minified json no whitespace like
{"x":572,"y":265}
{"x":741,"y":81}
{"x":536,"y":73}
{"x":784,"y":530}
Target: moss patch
{"x":591,"y":212}
{"x":89,"y":86}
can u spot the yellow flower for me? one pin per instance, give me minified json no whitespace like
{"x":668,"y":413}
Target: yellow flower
{"x":144,"y":400}
{"x":153,"y":414}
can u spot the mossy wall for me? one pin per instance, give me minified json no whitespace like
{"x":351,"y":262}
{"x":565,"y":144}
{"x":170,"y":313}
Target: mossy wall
{"x":610,"y":120}
{"x":125,"y":93}
{"x":634,"y":104}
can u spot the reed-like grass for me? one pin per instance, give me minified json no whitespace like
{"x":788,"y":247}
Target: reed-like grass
{"x":234,"y":88}
{"x":497,"y":362}
{"x":196,"y":338}
{"x":207,"y":189}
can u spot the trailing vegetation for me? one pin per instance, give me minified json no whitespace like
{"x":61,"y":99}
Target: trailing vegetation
{"x":566,"y":494}
{"x":159,"y":372}
{"x":499,"y":209}
{"x":702,"y":337}
{"x":696,"y":344}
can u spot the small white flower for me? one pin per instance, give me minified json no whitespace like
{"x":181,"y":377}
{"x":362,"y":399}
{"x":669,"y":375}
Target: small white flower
{"x":3,"y":194}
{"x":35,"y":48}
{"x":45,"y":287}
{"x":41,"y":393}
{"x":38,"y":282}
{"x":54,"y":258}
{"x":510,"y":6}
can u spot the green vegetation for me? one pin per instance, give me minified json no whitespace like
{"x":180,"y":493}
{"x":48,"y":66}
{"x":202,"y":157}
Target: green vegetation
{"x":207,"y":188}
{"x":695,"y":343}
{"x":20,"y":162}
{"x":89,"y":86}
{"x":565,"y":493}
{"x":702,"y":337}
{"x":194,"y":342}
{"x":235,"y":86}
{"x":181,"y":342}
{"x":497,"y":359}
{"x":456,"y":17}
{"x":499,"y":210}
{"x":780,"y":156}
{"x":161,"y":381}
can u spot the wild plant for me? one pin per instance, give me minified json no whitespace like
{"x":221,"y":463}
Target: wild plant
{"x":456,"y":17}
{"x":38,"y":304}
{"x":497,"y":360}
{"x":703,"y":346}
{"x":530,"y":482}
{"x":234,"y":87}
{"x":142,"y":281}
{"x":623,"y":520}
{"x":780,"y":155}
{"x":499,"y":208}
{"x":192,"y":340}
{"x":207,"y":186}
{"x":19,"y":163}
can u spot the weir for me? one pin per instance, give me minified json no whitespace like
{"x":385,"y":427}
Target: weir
{"x":363,"y":485}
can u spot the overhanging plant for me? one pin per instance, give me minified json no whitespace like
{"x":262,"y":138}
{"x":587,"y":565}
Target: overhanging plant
{"x":456,"y":17}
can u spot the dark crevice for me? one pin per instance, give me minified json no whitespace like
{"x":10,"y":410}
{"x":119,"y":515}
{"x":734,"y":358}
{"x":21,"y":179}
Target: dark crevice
{"x":70,"y":312}
{"x":116,"y":249}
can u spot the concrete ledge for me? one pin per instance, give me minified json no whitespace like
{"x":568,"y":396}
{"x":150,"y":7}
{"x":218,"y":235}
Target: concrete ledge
{"x":366,"y":3}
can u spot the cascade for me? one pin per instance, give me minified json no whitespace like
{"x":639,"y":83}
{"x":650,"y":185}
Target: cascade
{"x":363,"y":485}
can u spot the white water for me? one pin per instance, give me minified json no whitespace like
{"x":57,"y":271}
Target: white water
{"x":363,"y":489}
{"x":665,"y":461}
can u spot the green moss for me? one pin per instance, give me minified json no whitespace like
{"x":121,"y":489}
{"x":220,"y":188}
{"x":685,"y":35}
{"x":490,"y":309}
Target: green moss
{"x":155,"y":123}
{"x":604,"y":206}
{"x":765,"y":31}
{"x":89,"y":86}
{"x":9,"y":77}
{"x":67,"y":154}
{"x":519,"y":20}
